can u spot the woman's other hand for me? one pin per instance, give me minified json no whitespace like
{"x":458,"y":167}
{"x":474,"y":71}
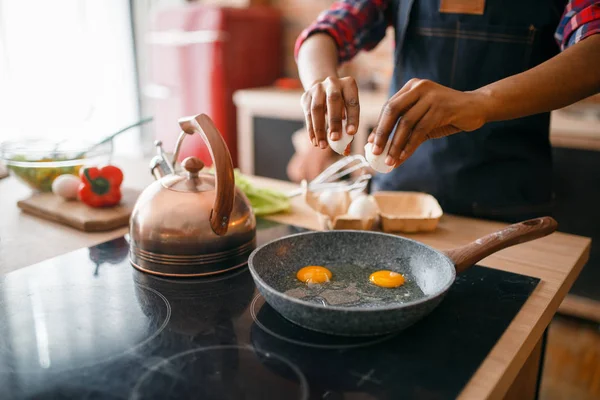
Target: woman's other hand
{"x":425,"y":110}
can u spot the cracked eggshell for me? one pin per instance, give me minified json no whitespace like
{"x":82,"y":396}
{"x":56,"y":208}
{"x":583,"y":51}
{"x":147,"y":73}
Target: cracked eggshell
{"x":342,"y":146}
{"x":378,"y":162}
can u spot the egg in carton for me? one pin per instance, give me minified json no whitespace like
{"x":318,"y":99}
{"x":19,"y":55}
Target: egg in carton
{"x":338,"y":210}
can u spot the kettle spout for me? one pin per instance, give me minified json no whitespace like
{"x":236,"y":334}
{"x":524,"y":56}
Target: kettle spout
{"x":160,"y":165}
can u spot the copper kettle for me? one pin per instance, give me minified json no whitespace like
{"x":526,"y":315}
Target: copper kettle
{"x":188,"y":223}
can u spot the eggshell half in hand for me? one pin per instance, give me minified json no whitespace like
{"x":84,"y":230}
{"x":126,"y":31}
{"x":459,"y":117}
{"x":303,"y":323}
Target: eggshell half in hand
{"x":341,"y":146}
{"x":378,"y":162}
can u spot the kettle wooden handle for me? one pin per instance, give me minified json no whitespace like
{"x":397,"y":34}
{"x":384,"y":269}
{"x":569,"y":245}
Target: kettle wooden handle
{"x":224,"y":177}
{"x":466,"y":256}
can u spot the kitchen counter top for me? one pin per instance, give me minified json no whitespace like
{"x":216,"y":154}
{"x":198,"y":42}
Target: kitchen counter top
{"x":556,"y":260}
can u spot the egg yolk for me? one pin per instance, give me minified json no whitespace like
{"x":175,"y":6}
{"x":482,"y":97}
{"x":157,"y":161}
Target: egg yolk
{"x":387,"y":279}
{"x":314,"y":274}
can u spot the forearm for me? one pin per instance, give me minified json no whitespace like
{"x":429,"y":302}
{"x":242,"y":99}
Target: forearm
{"x":317,"y":59}
{"x":563,"y":80}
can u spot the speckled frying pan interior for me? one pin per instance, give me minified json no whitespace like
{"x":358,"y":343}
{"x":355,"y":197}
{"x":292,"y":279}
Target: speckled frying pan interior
{"x":352,"y":256}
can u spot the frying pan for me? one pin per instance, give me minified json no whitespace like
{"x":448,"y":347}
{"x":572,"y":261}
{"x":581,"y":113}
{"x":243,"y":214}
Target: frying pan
{"x":274,"y":265}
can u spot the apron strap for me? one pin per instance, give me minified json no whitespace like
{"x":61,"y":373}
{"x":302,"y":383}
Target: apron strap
{"x":404,"y":7}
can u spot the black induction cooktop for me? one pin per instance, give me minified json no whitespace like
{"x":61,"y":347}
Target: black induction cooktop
{"x":88,"y":325}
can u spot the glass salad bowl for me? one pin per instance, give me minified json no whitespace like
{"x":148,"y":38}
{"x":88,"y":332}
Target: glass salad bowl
{"x":38,"y":162}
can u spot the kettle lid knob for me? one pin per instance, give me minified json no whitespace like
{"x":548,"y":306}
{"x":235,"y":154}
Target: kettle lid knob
{"x":193,"y":165}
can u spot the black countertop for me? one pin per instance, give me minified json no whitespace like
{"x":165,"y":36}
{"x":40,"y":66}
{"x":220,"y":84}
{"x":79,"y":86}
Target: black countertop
{"x":88,"y":325}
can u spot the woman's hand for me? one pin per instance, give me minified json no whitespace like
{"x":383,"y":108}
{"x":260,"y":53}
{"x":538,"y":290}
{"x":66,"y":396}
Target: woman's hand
{"x":426,"y":110}
{"x":328,"y":102}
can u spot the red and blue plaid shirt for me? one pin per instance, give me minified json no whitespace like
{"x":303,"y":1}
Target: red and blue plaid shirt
{"x":361,"y":24}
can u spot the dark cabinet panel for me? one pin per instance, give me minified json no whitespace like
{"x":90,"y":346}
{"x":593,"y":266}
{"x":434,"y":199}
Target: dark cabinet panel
{"x":577,"y":187}
{"x":273,"y":147}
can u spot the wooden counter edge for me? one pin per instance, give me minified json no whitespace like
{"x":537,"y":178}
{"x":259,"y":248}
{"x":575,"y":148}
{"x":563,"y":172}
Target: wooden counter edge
{"x":498,"y":389}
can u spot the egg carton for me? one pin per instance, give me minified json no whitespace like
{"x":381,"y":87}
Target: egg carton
{"x":398,"y":212}
{"x":336,"y":218}
{"x":408,"y":212}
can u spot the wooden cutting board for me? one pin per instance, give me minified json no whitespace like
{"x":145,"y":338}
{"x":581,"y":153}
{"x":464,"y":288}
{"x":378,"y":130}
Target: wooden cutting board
{"x":78,"y":215}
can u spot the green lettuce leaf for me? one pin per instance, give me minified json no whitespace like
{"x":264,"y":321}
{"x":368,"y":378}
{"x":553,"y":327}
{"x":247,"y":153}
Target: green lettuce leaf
{"x":263,"y":201}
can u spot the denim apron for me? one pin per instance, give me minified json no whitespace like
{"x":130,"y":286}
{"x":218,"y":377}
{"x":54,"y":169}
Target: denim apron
{"x":502,"y":171}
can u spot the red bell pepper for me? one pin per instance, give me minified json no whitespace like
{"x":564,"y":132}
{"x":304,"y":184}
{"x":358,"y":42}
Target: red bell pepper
{"x":100,"y":187}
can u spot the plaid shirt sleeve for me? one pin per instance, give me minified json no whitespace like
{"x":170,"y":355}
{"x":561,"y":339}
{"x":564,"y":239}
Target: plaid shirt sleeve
{"x":354,"y":25}
{"x":580,"y":20}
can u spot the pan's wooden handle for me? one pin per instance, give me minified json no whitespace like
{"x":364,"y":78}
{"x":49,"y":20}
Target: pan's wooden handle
{"x":468,"y":255}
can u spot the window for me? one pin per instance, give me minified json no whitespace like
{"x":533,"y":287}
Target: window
{"x":68,"y":68}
